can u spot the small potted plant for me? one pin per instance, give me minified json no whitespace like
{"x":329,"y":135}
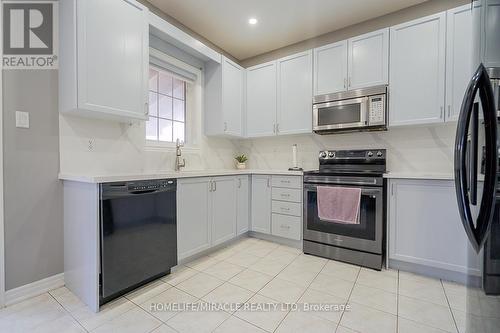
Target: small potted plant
{"x":241,"y":159}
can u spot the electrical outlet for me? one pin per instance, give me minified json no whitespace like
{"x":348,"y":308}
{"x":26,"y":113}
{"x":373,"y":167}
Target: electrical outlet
{"x":22,"y":119}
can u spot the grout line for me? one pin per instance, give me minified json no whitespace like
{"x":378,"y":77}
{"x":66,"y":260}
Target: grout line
{"x":349,"y":297}
{"x":449,"y":306}
{"x":70,"y":314}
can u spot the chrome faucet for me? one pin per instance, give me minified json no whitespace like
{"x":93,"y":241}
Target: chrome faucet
{"x":179,"y":163}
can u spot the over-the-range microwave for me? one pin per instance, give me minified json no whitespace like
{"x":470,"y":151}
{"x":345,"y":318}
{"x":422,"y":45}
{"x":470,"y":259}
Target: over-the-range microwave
{"x":355,"y":110}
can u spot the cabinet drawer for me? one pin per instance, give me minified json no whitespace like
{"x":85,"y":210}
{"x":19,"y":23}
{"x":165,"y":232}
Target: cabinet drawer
{"x":286,"y":226}
{"x":286,"y":194}
{"x":289,"y":208}
{"x":287,"y":181}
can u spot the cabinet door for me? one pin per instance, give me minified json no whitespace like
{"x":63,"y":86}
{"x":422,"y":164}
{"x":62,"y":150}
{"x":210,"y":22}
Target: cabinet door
{"x":113,"y":57}
{"x":330,"y":68}
{"x":458,"y":58}
{"x":261,"y":204}
{"x":491,"y":57}
{"x":223,"y":210}
{"x":295,"y":94}
{"x":242,"y":205}
{"x":425,"y":227}
{"x":232,"y":97}
{"x":417,"y":71}
{"x":261,"y":100}
{"x":368,"y":59}
{"x":193,"y":211}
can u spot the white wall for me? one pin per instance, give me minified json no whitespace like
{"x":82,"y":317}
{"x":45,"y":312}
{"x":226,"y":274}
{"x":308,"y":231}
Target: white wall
{"x":410,"y":149}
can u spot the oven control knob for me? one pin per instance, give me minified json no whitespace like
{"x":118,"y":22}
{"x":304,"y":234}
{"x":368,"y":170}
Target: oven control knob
{"x":379,"y":154}
{"x":370,"y":154}
{"x":331,"y":154}
{"x":322,"y":154}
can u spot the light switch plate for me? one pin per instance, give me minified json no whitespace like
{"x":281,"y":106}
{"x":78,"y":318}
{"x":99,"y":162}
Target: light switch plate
{"x":22,"y":119}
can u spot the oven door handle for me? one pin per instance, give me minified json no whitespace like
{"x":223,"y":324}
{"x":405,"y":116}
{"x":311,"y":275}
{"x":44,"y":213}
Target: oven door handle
{"x":364,"y":191}
{"x":343,"y":182}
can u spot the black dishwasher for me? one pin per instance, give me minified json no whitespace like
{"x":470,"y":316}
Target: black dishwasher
{"x":138,"y":242}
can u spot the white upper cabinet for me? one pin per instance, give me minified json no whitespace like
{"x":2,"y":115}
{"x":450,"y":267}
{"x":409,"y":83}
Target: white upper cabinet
{"x":103,"y":60}
{"x":492,"y":36}
{"x":224,"y":98}
{"x":368,"y":59}
{"x":330,"y":68}
{"x":459,"y":62}
{"x":261,"y":100}
{"x":417,"y":71}
{"x":295,"y":94}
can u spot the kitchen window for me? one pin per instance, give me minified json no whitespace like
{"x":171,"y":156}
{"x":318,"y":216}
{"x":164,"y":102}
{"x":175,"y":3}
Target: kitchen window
{"x":167,"y":107}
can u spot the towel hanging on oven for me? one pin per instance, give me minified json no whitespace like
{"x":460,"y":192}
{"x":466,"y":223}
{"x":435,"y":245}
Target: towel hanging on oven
{"x":339,"y":204}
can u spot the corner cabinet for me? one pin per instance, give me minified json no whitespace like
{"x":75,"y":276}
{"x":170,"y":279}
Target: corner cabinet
{"x":425,"y":228}
{"x":103,"y":67}
{"x":295,"y":94}
{"x":261,"y":100}
{"x":224,"y":98}
{"x":417,"y":71}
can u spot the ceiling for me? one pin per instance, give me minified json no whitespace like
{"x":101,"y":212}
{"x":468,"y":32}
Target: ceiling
{"x":280,"y":22}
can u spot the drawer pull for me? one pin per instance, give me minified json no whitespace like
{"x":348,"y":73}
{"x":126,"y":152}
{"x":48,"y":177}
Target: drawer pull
{"x":284,"y":226}
{"x":285,"y":181}
{"x":285,"y":209}
{"x":283,"y":195}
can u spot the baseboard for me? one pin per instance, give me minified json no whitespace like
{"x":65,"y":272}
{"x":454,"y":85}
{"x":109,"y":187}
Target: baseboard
{"x":280,"y":240}
{"x":33,"y":289}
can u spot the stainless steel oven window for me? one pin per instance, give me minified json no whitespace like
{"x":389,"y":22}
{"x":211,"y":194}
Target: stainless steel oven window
{"x":345,"y":235}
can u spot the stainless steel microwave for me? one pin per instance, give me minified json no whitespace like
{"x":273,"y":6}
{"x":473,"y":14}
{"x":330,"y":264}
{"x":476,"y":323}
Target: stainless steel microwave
{"x":354,"y":110}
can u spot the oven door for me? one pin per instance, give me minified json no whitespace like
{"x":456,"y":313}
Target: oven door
{"x":365,"y":236}
{"x":349,"y":113}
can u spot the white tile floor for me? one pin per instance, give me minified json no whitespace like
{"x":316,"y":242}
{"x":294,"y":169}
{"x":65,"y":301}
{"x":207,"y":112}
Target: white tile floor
{"x":253,"y":271}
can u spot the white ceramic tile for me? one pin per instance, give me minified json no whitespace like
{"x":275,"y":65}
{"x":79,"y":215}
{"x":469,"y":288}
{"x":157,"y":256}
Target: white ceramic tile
{"x":251,"y":280}
{"x":242,"y":259}
{"x":368,"y":320}
{"x":148,"y":291}
{"x":424,"y":289}
{"x":269,"y":266}
{"x":375,"y":298}
{"x":234,"y":324}
{"x":197,"y":321}
{"x":489,"y":306}
{"x":342,"y":329}
{"x":290,"y":249}
{"x":67,"y":299}
{"x":224,"y":270}
{"x":229,"y":294}
{"x":91,"y":320}
{"x":469,"y":323}
{"x":200,"y":284}
{"x":202,"y":263}
{"x":297,"y":275}
{"x":223,"y":253}
{"x":341,"y":270}
{"x":180,"y":274}
{"x":164,"y":329}
{"x":408,"y":326}
{"x":282,"y":291}
{"x":305,"y":322}
{"x":331,"y":285}
{"x":157,"y":305}
{"x":267,"y":320}
{"x":427,"y":313}
{"x":134,"y":321}
{"x":65,"y":324}
{"x":260,"y":250}
{"x":464,"y":299}
{"x":312,"y":298}
{"x":385,"y":280}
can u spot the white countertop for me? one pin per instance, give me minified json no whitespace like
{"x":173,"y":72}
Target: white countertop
{"x":419,"y":175}
{"x":87,"y":178}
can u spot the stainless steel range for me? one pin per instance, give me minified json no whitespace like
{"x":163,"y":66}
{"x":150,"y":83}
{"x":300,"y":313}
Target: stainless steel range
{"x":361,"y":243}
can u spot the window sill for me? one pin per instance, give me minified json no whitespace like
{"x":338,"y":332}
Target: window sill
{"x":168,"y":147}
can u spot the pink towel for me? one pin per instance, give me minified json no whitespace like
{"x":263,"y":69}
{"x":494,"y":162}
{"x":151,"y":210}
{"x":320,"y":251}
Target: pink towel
{"x":339,"y":204}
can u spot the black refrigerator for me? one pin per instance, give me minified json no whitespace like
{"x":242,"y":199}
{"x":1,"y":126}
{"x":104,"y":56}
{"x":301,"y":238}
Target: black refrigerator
{"x":477,"y":169}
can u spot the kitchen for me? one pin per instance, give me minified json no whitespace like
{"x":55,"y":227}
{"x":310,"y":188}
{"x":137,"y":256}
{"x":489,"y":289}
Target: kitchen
{"x":164,"y":134}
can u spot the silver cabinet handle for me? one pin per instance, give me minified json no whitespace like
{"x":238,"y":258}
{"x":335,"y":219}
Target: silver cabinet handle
{"x":350,"y":81}
{"x":277,"y":128}
{"x":449,"y":111}
{"x":225,"y":126}
{"x":146,"y":108}
{"x":284,"y":195}
{"x":285,"y":209}
{"x":285,"y":226}
{"x":215,"y":186}
{"x":210,"y":186}
{"x":274,"y":128}
{"x":441,"y":112}
{"x":345,"y":82}
{"x":268,"y":182}
{"x":239,"y":183}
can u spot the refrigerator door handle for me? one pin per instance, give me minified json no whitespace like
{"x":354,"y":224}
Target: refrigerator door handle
{"x":476,"y":229}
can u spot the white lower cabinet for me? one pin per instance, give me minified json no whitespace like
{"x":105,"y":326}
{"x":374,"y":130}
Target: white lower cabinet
{"x":425,"y":228}
{"x":242,"y":204}
{"x":223,"y":209}
{"x":206,"y":213}
{"x":261,"y":203}
{"x":193,"y":221}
